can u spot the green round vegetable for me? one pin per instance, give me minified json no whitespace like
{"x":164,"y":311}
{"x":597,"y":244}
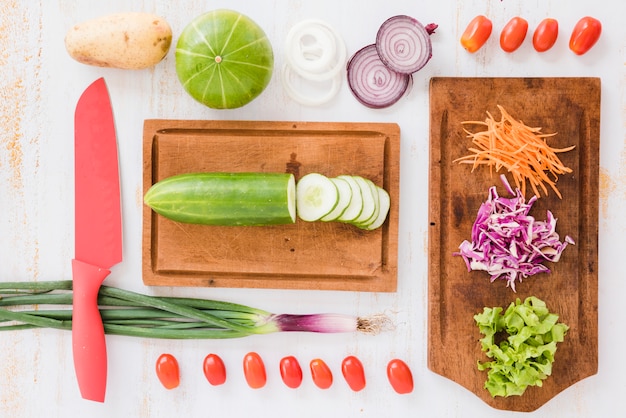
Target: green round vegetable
{"x":224,"y":59}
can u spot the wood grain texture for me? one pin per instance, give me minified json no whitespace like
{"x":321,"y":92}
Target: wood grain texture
{"x":305,"y":255}
{"x":570,"y":107}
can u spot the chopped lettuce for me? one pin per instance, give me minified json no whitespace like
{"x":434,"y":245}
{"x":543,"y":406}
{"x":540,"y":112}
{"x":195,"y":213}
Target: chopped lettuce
{"x":525,"y":357}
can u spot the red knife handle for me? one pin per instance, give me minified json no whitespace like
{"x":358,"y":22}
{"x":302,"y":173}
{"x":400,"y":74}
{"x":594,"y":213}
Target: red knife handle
{"x":88,"y":343}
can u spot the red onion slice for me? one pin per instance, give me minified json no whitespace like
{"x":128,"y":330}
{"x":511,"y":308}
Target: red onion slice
{"x":373,"y":83}
{"x":403,"y":44}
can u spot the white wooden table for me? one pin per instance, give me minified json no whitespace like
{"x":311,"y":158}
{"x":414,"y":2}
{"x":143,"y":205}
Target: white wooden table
{"x":39,"y":87}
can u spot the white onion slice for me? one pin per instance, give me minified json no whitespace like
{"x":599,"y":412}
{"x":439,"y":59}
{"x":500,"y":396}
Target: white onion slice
{"x":311,"y":48}
{"x":315,"y":56}
{"x":315,"y":50}
{"x":306,"y":93}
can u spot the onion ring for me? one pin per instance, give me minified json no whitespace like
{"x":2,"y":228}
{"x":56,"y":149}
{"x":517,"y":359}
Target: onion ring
{"x":403,"y":44}
{"x":315,"y":50}
{"x":372,"y":82}
{"x":311,"y":50}
{"x":300,"y":97}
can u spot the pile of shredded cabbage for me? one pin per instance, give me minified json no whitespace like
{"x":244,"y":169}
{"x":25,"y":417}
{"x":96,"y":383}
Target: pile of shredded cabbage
{"x":525,"y":357}
{"x":507,"y":242}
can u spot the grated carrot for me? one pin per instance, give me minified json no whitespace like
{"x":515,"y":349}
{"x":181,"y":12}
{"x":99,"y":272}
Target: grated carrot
{"x":518,"y":148}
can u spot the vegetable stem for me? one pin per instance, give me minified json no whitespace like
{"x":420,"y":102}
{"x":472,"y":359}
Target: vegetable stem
{"x":172,"y":307}
{"x":128,"y":313}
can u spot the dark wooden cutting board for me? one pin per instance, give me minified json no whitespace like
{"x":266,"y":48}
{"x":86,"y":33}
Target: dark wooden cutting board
{"x":304,"y":255}
{"x":571,"y":108}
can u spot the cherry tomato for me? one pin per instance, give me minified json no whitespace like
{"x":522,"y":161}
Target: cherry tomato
{"x":321,"y":374}
{"x":585,"y":35}
{"x":291,"y":372}
{"x":254,"y":370}
{"x":353,"y":372}
{"x":167,"y":371}
{"x":476,"y":34}
{"x":400,"y":376}
{"x":214,"y":369}
{"x":513,"y":34}
{"x":545,"y":35}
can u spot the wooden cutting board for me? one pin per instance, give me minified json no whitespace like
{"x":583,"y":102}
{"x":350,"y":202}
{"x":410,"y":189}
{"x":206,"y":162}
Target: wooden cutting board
{"x":570,"y":107}
{"x":305,"y":255}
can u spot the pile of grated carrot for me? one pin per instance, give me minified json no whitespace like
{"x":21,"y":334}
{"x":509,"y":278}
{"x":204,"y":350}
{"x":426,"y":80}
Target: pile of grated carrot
{"x":520,"y":149}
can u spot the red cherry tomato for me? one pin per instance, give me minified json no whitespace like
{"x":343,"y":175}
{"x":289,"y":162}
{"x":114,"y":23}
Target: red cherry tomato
{"x":291,"y":372}
{"x":513,"y":34}
{"x":585,"y":35}
{"x":353,"y":372}
{"x":400,"y":376}
{"x":476,"y":34}
{"x":254,"y":370}
{"x":545,"y":35}
{"x":214,"y":369}
{"x":167,"y":371}
{"x":321,"y":374}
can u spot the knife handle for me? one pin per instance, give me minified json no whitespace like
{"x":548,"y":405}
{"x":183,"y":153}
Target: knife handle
{"x":88,"y":343}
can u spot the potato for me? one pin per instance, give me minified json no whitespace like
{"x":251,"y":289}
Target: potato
{"x":124,"y":40}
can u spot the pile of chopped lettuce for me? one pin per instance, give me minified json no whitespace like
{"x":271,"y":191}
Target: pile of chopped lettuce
{"x":524,"y":358}
{"x":507,"y":242}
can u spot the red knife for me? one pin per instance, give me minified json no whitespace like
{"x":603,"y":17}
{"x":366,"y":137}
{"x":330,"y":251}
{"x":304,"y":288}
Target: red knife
{"x":98,"y":223}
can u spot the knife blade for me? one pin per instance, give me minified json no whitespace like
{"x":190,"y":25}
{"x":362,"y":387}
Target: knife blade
{"x":98,"y":232}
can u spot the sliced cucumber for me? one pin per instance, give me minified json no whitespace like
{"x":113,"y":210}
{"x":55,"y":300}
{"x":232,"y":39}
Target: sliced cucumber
{"x":356,"y":203}
{"x":316,"y":197}
{"x":350,"y":199}
{"x":345,"y":196}
{"x":384,"y":203}
{"x":369,"y":200}
{"x":269,"y":199}
{"x":374,"y":192}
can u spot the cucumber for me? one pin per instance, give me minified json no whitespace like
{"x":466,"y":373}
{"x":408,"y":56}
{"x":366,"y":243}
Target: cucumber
{"x":230,"y":199}
{"x":356,"y":204}
{"x":354,"y":200}
{"x":384,"y":203}
{"x":316,"y":197}
{"x":376,"y":212}
{"x":345,"y":196}
{"x":369,"y":200}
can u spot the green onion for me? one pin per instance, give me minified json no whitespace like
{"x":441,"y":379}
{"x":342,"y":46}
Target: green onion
{"x":134,"y":314}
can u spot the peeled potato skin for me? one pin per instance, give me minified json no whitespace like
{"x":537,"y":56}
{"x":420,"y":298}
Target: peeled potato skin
{"x":130,"y":41}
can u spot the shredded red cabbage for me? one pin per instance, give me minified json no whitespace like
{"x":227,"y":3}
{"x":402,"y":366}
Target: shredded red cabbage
{"x":507,"y":242}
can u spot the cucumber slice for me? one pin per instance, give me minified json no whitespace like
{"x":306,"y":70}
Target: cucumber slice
{"x":385,"y":202}
{"x":369,"y":205}
{"x":374,"y":191}
{"x":356,"y":203}
{"x":316,"y":196}
{"x":345,"y":196}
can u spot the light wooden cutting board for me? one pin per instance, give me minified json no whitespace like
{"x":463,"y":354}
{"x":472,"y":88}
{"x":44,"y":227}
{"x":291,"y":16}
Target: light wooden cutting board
{"x":305,"y":255}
